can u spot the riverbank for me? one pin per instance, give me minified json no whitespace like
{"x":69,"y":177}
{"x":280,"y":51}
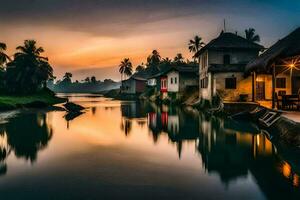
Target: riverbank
{"x":40,"y":99}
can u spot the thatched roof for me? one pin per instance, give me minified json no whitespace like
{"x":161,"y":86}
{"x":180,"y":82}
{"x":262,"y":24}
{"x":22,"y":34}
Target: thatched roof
{"x":230,"y":41}
{"x":284,"y":48}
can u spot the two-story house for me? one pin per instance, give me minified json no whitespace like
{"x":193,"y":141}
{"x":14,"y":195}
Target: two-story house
{"x":222,"y":66}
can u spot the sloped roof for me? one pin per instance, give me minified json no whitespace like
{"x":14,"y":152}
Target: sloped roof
{"x":284,"y":48}
{"x":181,"y":69}
{"x":230,"y":41}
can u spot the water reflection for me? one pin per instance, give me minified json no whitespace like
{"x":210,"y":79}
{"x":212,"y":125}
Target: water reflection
{"x":227,"y":148}
{"x":140,"y":149}
{"x":24,"y":135}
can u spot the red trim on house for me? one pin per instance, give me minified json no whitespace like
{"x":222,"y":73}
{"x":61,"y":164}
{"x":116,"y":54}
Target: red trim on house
{"x":164,"y":84}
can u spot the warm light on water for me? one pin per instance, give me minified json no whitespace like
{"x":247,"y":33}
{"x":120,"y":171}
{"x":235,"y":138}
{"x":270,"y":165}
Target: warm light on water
{"x":139,"y":151}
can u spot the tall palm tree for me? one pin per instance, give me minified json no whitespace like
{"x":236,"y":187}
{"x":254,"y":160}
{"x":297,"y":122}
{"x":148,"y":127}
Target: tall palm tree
{"x":31,"y":51}
{"x":195,"y":45}
{"x":4,"y":58}
{"x":125,"y":68}
{"x":251,"y":36}
{"x":29,"y":69}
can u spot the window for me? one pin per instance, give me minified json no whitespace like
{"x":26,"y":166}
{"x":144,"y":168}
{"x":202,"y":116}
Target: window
{"x":171,"y":80}
{"x":204,"y":82}
{"x":280,"y":82}
{"x":204,"y":60}
{"x":175,"y":80}
{"x":230,"y":83}
{"x":226,"y":59}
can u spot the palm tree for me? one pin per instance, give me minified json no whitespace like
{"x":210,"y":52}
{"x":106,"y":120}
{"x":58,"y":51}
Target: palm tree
{"x":29,"y":69}
{"x":195,"y":45}
{"x":31,"y":51}
{"x":179,"y":58}
{"x":4,"y":58}
{"x":125,"y":68}
{"x":251,"y":36}
{"x":154,"y":59}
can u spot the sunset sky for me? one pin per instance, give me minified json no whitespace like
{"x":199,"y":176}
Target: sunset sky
{"x":91,"y":37}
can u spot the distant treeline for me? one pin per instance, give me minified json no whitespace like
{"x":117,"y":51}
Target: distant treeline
{"x":88,"y":85}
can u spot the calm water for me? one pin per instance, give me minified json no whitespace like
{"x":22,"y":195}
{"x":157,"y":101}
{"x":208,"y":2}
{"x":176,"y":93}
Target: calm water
{"x":136,"y":151}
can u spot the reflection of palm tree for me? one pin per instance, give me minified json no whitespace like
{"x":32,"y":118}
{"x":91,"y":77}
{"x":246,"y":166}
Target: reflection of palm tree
{"x":27,"y":134}
{"x":4,"y":152}
{"x":126,"y":126}
{"x":251,"y":36}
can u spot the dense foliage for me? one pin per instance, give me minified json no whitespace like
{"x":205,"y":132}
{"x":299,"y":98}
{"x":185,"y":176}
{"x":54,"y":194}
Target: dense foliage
{"x":27,"y":72}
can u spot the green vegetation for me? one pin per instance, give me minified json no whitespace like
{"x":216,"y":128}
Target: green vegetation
{"x":23,"y":78}
{"x":40,"y":99}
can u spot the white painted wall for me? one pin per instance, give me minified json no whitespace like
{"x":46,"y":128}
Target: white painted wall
{"x":151,"y":82}
{"x":173,"y":86}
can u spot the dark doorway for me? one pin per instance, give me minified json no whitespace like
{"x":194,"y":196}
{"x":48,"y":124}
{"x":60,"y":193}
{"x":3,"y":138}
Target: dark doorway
{"x":260,"y":90}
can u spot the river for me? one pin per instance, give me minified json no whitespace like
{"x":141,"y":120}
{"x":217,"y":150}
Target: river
{"x":133,"y":150}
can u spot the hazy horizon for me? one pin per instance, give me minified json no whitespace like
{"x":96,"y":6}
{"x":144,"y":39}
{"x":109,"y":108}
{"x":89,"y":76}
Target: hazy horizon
{"x":91,"y":37}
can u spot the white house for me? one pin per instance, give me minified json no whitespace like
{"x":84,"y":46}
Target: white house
{"x":222,"y":66}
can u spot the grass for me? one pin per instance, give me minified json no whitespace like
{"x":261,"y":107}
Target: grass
{"x":42,"y":98}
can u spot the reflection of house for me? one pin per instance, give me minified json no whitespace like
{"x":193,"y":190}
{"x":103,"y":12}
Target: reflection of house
{"x":222,"y":65}
{"x":278,"y":69}
{"x":173,"y":124}
{"x":133,"y":110}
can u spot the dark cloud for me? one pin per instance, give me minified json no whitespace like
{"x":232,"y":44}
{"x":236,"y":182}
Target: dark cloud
{"x":117,"y":16}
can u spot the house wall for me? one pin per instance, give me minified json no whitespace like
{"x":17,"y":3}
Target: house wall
{"x":236,"y":56}
{"x":129,"y":86}
{"x":216,"y":82}
{"x":140,"y":86}
{"x":207,"y":93}
{"x":173,"y":87}
{"x":243,"y":86}
{"x":268,"y":84}
{"x":186,"y":80}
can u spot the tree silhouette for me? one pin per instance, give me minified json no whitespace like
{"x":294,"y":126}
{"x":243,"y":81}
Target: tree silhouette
{"x":251,"y":36}
{"x":195,"y":45}
{"x":154,"y":59}
{"x":139,"y":68}
{"x":179,"y":58}
{"x":125,"y":68}
{"x":4,"y":58}
{"x":29,"y":70}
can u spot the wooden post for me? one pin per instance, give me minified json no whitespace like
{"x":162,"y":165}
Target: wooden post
{"x":273,"y":85}
{"x":254,"y":86}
